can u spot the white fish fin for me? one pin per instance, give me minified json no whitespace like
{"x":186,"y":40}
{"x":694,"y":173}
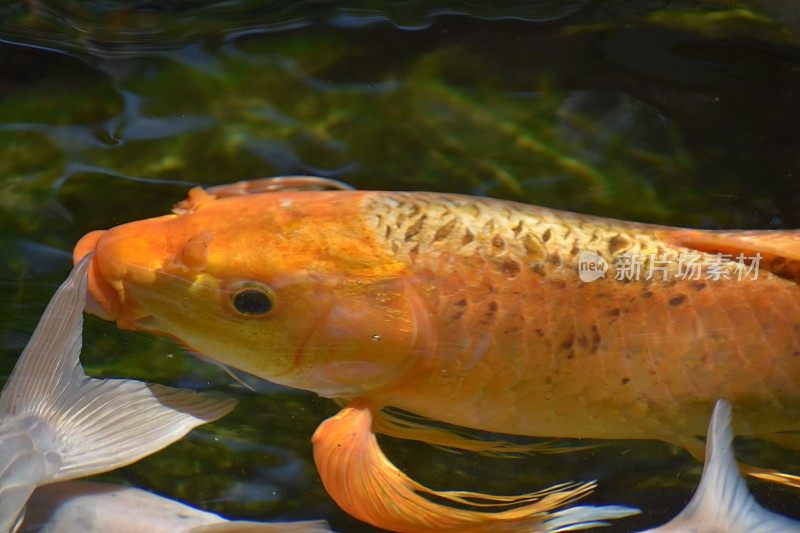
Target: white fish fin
{"x":100,"y":424}
{"x":316,"y":526}
{"x":585,"y":517}
{"x":28,"y":456}
{"x":722,"y":502}
{"x":102,"y":507}
{"x":91,"y":507}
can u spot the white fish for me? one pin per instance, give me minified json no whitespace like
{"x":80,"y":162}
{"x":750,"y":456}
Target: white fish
{"x":722,"y":503}
{"x":58,"y":424}
{"x":102,"y":507}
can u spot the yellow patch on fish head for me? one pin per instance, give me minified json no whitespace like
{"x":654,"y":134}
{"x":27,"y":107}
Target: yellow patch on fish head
{"x":292,"y":287}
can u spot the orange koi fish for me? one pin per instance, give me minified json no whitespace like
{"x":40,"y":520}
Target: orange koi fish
{"x":481,"y":313}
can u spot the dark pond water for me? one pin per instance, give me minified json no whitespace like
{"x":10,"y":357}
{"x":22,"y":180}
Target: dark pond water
{"x":674,"y":112}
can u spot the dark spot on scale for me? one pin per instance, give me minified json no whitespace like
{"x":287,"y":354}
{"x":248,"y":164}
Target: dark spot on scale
{"x":533,"y":247}
{"x":468,"y":238}
{"x":625,"y":381}
{"x":571,"y":355}
{"x":698,"y":285}
{"x":546,"y":235}
{"x":554,"y":260}
{"x":461,"y":303}
{"x":614,"y":312}
{"x":490,"y":314}
{"x":595,"y":338}
{"x":443,"y":232}
{"x":647,"y":294}
{"x":498,"y":243}
{"x":548,"y":380}
{"x":795,"y":354}
{"x":413,"y":253}
{"x":617,"y":243}
{"x":567,"y":344}
{"x":677,"y":300}
{"x":413,"y":230}
{"x":583,"y":342}
{"x":538,"y":268}
{"x":541,"y":333}
{"x":510,"y":268}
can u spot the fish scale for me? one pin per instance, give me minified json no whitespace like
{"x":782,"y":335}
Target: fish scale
{"x":599,"y":356}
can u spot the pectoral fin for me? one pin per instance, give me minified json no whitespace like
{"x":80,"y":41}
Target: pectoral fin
{"x":424,"y":430}
{"x":367,"y":485}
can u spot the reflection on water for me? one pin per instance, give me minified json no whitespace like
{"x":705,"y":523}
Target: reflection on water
{"x":673,"y":112}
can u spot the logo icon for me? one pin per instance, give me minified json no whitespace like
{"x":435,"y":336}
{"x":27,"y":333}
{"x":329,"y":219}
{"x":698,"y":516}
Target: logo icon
{"x":591,"y":266}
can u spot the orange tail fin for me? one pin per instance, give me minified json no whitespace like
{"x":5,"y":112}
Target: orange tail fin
{"x":360,"y":478}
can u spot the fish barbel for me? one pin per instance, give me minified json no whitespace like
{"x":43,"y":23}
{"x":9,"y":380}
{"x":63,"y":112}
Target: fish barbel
{"x":470,"y":311}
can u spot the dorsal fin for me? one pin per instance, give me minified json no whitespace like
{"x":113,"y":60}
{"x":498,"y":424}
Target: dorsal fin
{"x":276,"y":184}
{"x":778,"y":250}
{"x":198,"y":196}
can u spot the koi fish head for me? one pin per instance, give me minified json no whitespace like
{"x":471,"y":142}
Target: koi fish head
{"x":289,"y":286}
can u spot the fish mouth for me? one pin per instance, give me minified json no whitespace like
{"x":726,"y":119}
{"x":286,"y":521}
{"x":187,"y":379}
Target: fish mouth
{"x":106,"y":296}
{"x":101,"y":298}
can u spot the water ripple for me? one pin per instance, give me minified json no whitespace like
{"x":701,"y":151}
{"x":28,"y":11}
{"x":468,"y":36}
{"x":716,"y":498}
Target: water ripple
{"x":134,"y":28}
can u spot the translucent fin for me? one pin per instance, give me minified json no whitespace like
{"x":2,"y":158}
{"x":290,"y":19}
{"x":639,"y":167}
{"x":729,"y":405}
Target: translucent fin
{"x":102,"y":507}
{"x":586,"y":517}
{"x":28,"y":457}
{"x":722,"y":502}
{"x":232,"y":373}
{"x":316,"y":526}
{"x":281,"y":183}
{"x":422,"y":429}
{"x":698,"y":450}
{"x":365,"y":484}
{"x":779,"y":250}
{"x":773,"y":476}
{"x":198,"y":196}
{"x":100,"y":424}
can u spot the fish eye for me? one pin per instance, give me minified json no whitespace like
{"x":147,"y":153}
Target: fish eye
{"x":253,"y":300}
